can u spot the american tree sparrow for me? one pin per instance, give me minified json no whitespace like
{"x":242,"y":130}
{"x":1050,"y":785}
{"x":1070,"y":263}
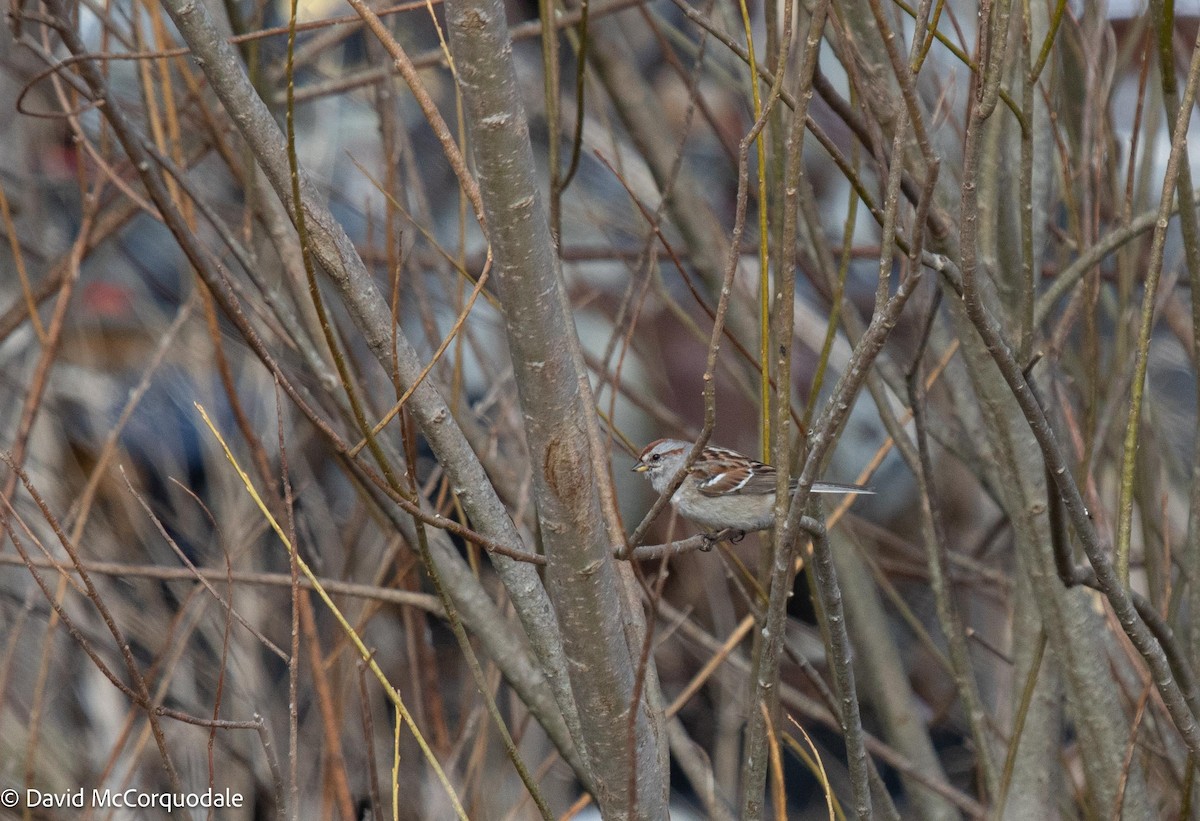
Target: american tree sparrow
{"x":723,"y":488}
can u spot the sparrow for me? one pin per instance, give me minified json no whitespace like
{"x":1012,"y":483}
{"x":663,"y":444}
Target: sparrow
{"x":723,"y":489}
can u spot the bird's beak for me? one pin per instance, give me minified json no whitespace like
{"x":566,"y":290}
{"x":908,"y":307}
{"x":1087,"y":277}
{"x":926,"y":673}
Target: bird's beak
{"x":640,"y":467}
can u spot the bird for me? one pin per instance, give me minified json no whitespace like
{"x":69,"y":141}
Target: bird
{"x":723,"y":489}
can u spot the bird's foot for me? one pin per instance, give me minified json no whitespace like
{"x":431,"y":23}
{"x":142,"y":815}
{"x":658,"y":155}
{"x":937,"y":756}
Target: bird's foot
{"x":728,"y":534}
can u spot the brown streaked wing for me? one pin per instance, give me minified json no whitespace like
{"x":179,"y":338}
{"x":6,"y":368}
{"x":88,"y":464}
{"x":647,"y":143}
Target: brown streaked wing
{"x":760,"y":480}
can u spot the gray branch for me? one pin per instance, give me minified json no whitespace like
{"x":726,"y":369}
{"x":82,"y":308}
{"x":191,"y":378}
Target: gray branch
{"x":583,"y":577}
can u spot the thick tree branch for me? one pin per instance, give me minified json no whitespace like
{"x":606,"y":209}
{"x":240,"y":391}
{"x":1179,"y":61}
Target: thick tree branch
{"x":582,"y":575}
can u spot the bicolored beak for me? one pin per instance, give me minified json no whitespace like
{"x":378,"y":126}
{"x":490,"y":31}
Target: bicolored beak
{"x":640,"y":467}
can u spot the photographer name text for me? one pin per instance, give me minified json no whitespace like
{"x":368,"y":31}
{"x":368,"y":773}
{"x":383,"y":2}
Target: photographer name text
{"x":132,"y":798}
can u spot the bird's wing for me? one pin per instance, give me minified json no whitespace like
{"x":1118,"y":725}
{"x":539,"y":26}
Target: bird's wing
{"x":757,"y":481}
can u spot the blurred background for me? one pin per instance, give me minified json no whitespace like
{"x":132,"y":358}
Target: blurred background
{"x":109,"y":339}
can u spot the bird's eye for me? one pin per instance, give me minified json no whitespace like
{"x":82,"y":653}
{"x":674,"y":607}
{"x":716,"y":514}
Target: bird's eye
{"x":655,"y":457}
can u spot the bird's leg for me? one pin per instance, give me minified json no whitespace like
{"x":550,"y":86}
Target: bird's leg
{"x":710,"y":539}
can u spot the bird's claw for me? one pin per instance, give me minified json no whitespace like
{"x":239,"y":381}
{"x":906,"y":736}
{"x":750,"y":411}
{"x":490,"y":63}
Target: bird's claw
{"x":728,"y":534}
